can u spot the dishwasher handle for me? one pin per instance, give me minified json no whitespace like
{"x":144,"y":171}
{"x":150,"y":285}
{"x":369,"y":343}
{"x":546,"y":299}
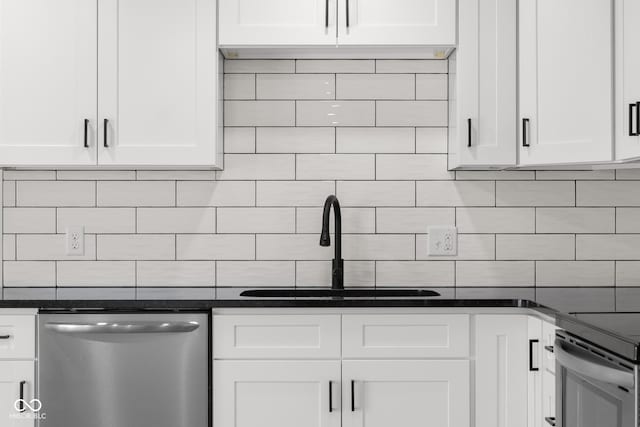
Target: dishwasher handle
{"x":125,"y":327}
{"x":591,"y":368}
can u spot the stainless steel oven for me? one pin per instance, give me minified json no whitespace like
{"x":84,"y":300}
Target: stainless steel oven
{"x":594,"y":388}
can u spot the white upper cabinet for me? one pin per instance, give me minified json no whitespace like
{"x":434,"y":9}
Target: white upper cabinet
{"x":482,"y":92}
{"x":277,"y":22}
{"x":48,"y":69}
{"x":566,"y":56}
{"x":157,"y":82}
{"x":397,"y":22}
{"x":627,"y":79}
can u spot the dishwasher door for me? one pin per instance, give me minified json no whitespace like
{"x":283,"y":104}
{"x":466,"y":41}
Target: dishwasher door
{"x":124,"y":370}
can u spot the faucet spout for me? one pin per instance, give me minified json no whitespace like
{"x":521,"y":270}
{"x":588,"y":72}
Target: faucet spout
{"x":337,"y":267}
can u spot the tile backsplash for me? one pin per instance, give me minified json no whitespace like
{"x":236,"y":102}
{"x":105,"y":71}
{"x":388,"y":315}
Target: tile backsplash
{"x":372,"y":132}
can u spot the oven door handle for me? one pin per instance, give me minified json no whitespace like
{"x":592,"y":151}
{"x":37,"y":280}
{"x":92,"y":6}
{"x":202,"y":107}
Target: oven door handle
{"x":592,"y":369}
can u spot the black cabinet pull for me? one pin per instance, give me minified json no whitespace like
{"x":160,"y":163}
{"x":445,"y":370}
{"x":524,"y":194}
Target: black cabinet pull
{"x":631,"y":131}
{"x":353,"y":396}
{"x":86,"y":131}
{"x":326,"y":13}
{"x":468,"y":132}
{"x":525,"y":123}
{"x":347,"y":14}
{"x":638,"y":118}
{"x":551,"y":421}
{"x":330,"y":396}
{"x":104,"y":135}
{"x":531,"y":367}
{"x":21,"y":401}
{"x":5,"y":337}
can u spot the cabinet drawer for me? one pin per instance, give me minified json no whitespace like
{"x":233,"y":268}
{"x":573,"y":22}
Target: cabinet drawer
{"x":276,"y":337}
{"x":17,"y":337}
{"x":408,"y":336}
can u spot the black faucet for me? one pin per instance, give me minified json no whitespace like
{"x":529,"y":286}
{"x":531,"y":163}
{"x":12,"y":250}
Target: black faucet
{"x":337,"y":266}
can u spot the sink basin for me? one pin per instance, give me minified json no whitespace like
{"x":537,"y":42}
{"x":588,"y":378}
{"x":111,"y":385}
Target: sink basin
{"x":343,"y":293}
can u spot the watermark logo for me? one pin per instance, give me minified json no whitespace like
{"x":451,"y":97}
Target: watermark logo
{"x":28,"y":409}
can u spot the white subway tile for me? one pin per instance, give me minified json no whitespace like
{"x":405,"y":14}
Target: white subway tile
{"x":29,"y":273}
{"x":258,"y":167}
{"x":375,"y":140}
{"x":239,"y":140}
{"x":172,"y":293}
{"x":573,"y":175}
{"x":8,"y":193}
{"x":335,"y":166}
{"x":220,"y":193}
{"x":495,"y":175}
{"x":608,"y":247}
{"x":95,"y":175}
{"x":412,"y":167}
{"x":176,"y":273}
{"x":354,"y":220}
{"x":495,"y":220}
{"x":411,"y":66}
{"x":535,"y":193}
{"x":432,"y":86}
{"x":575,"y":220}
{"x":335,"y":66}
{"x":256,"y":273}
{"x":136,"y":247}
{"x":9,"y":247}
{"x":455,"y":193}
{"x":295,"y":86}
{"x":375,"y":86}
{"x":295,"y":140}
{"x":29,"y":175}
{"x":495,"y":273}
{"x":627,"y":220}
{"x":256,"y":220}
{"x":412,"y":220}
{"x":213,"y":246}
{"x":85,"y":293}
{"x":136,"y":193}
{"x":184,"y":175}
{"x":29,"y":293}
{"x":318,"y":273}
{"x":535,"y":247}
{"x":575,"y":273}
{"x":55,"y":193}
{"x":291,"y":247}
{"x":627,"y":273}
{"x":415,"y":273}
{"x":571,"y":300}
{"x":608,"y":193}
{"x":259,"y":113}
{"x":240,"y":86}
{"x":411,"y":113}
{"x":176,"y":220}
{"x":378,"y":247}
{"x":376,"y":193}
{"x":624,"y":174}
{"x":335,"y":113}
{"x":29,"y":220}
{"x":96,"y":273}
{"x":431,"y":140}
{"x":49,"y":247}
{"x":470,"y":247}
{"x":293,"y":193}
{"x":98,"y":220}
{"x":259,"y":66}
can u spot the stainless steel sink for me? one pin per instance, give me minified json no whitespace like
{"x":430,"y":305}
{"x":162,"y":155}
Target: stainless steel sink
{"x":342,"y":293}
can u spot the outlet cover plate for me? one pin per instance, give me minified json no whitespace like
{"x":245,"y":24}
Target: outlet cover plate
{"x":442,"y":241}
{"x":75,"y":241}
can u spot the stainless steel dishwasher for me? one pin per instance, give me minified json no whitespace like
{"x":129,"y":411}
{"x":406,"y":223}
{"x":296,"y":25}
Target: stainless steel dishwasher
{"x":124,"y":370}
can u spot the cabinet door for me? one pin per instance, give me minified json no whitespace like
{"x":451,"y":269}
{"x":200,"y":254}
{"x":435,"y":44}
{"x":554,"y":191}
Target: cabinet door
{"x":398,"y":22}
{"x":48,"y":78}
{"x":627,"y":81}
{"x":408,"y":393}
{"x":277,"y":22}
{"x":566,"y":81}
{"x":157,"y":84}
{"x":12,"y":374}
{"x":485,"y":120}
{"x":501,"y":370}
{"x":276,"y":393}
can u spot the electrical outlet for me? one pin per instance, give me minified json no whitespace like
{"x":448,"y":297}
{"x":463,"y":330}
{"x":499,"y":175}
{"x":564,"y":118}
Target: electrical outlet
{"x":442,"y":241}
{"x":75,"y":241}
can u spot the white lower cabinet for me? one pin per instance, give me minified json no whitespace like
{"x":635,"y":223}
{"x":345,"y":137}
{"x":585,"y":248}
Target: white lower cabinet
{"x":276,"y":393}
{"x":407,"y":393}
{"x":17,"y":389}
